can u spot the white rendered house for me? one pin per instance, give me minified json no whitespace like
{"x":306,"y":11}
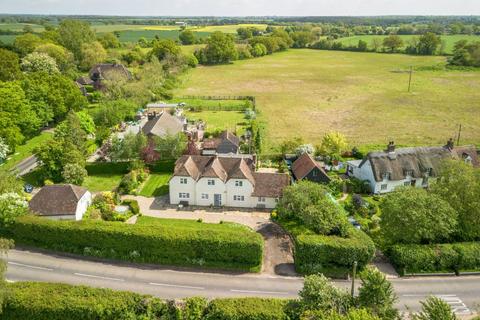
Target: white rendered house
{"x":224,"y":181}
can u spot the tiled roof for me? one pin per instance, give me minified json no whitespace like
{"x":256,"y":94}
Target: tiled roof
{"x":162,"y":125}
{"x":304,"y":165}
{"x":54,"y":200}
{"x":270,"y":184}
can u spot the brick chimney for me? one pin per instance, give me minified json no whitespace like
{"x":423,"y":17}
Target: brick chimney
{"x":391,"y":147}
{"x":450,"y":144}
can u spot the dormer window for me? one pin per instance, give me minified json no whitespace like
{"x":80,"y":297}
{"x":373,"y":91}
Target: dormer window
{"x":183,"y":180}
{"x":238,"y":183}
{"x":386,"y":176}
{"x":211,"y":182}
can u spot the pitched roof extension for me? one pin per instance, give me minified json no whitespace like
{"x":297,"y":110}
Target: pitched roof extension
{"x":57,"y":199}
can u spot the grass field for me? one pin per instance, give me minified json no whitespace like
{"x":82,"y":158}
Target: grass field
{"x":102,"y":182}
{"x":20,"y":26}
{"x":363,"y":95}
{"x":156,"y":185}
{"x":220,"y":120}
{"x":134,"y":35}
{"x":25,"y":150}
{"x":228,"y":28}
{"x":188,"y":224}
{"x":450,"y":40}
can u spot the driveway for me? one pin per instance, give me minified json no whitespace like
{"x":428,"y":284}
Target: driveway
{"x":278,"y":253}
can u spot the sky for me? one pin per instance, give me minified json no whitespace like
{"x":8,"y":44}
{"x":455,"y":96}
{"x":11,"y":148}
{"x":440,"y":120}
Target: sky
{"x":242,"y":7}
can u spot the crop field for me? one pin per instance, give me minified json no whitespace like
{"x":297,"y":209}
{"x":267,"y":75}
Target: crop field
{"x":20,"y":26}
{"x":228,"y":28}
{"x":450,"y":40}
{"x":363,"y":95}
{"x":134,"y":35}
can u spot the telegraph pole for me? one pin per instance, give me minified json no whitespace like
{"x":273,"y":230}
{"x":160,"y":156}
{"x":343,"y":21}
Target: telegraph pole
{"x":410,"y":79}
{"x":459,"y":133}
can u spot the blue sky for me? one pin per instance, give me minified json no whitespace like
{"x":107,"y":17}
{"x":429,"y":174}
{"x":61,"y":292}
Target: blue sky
{"x":243,"y":7}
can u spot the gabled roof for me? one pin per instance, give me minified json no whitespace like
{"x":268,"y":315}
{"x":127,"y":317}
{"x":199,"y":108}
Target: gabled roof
{"x":57,"y":199}
{"x":162,"y":125}
{"x":214,"y":143}
{"x":107,"y":71}
{"x":415,"y":160}
{"x":227,"y":135}
{"x":304,"y":165}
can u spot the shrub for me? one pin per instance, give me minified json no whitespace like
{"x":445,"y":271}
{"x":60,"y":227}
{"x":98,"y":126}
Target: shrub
{"x":455,"y":257}
{"x":327,"y":254}
{"x":232,"y":248}
{"x":435,"y":308}
{"x":133,"y":204}
{"x":246,"y":309}
{"x":50,"y":301}
{"x":107,"y":168}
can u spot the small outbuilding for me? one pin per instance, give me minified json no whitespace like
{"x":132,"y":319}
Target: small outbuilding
{"x":306,"y":168}
{"x":61,"y":202}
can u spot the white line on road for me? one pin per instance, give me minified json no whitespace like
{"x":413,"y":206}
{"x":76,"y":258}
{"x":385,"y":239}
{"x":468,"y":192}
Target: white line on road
{"x":97,"y":277}
{"x":9,"y":281}
{"x":260,"y":292}
{"x":28,"y":266}
{"x":175,"y":286}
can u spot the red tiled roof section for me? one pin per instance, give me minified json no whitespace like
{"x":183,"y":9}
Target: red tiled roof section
{"x":270,"y":185}
{"x":303,"y":165}
{"x":57,"y":200}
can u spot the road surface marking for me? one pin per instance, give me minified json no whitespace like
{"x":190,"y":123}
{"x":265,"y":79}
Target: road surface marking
{"x":28,"y":266}
{"x":456,"y":304}
{"x":175,"y":286}
{"x":9,"y":281}
{"x":253,"y":291}
{"x":97,"y":277}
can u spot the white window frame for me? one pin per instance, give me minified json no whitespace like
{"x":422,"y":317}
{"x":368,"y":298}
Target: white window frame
{"x":184,"y":195}
{"x":204,"y":196}
{"x":183,"y":181}
{"x":238,"y":183}
{"x":384,"y":186}
{"x":211,"y":182}
{"x":238,"y":198}
{"x":261,"y":199}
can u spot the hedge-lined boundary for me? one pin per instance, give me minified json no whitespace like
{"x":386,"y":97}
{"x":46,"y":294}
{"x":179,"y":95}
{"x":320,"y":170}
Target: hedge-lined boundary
{"x":96,"y":168}
{"x":238,"y":249}
{"x":331,"y":255}
{"x":455,"y":257}
{"x":51,"y":301}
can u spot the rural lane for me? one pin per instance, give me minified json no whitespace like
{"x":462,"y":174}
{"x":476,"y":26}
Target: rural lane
{"x":462,"y":293}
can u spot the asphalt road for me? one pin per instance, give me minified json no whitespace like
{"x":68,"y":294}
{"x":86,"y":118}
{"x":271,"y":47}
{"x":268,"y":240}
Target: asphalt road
{"x":462,"y":293}
{"x":26,"y":165}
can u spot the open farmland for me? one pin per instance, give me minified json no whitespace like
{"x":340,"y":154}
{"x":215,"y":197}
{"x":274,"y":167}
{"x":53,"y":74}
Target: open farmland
{"x":449,"y":40}
{"x":364,"y":95}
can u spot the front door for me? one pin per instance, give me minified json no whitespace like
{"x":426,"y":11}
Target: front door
{"x":217,"y":200}
{"x":413,"y":183}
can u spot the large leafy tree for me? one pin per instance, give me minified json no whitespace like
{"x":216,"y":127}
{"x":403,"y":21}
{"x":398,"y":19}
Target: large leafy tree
{"x":413,"y":215}
{"x":92,"y":53}
{"x":428,"y":44}
{"x":63,"y":57}
{"x":377,"y":294}
{"x":393,"y":42}
{"x":27,"y":43}
{"x":109,"y":40}
{"x":220,"y":49}
{"x":458,"y":184}
{"x":9,"y":183}
{"x":4,"y":150}
{"x":333,"y":143}
{"x":73,"y":34}
{"x":310,"y":203}
{"x":170,"y":146}
{"x":187,"y":37}
{"x":9,"y":66}
{"x":128,"y":148}
{"x":39,"y":62}
{"x":12,"y":205}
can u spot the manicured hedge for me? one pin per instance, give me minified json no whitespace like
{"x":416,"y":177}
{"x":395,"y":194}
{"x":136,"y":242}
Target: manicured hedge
{"x":133,"y":204}
{"x":331,"y":255}
{"x":246,"y":309}
{"x":229,"y":248}
{"x":162,"y":166}
{"x":51,"y":301}
{"x":107,"y":168}
{"x":455,"y":257}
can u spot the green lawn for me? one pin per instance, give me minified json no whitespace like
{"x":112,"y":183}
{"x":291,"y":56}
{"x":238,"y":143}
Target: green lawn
{"x":450,"y":40}
{"x":102,"y":182}
{"x":220,"y":120}
{"x":189,"y":224}
{"x":156,"y":185}
{"x":25,"y":150}
{"x":303,"y":92}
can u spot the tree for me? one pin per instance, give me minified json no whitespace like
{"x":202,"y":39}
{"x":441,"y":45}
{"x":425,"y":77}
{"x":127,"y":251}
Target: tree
{"x":164,"y":48}
{"x":376,"y":44}
{"x":109,"y":40}
{"x":291,"y":145}
{"x":319,"y":294}
{"x":63,"y":57}
{"x":4,"y":150}
{"x":305,"y":148}
{"x":10,"y":183}
{"x":5,"y":244}
{"x":92,"y":54}
{"x":377,"y":294}
{"x":71,"y":131}
{"x":333,"y":143}
{"x":12,"y":205}
{"x":128,"y":148}
{"x":458,"y":184}
{"x":86,"y":122}
{"x":39,"y":62}
{"x":26,"y":43}
{"x":362,"y":45}
{"x":187,"y":37}
{"x":170,"y":146}
{"x":73,"y":34}
{"x":428,"y":44}
{"x":435,"y":309}
{"x":393,"y":42}
{"x":301,"y":39}
{"x":466,"y":54}
{"x":413,"y":215}
{"x":74,"y":173}
{"x":220,"y":49}
{"x":310,"y":203}
{"x":9,"y":66}
{"x":258,"y":50}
